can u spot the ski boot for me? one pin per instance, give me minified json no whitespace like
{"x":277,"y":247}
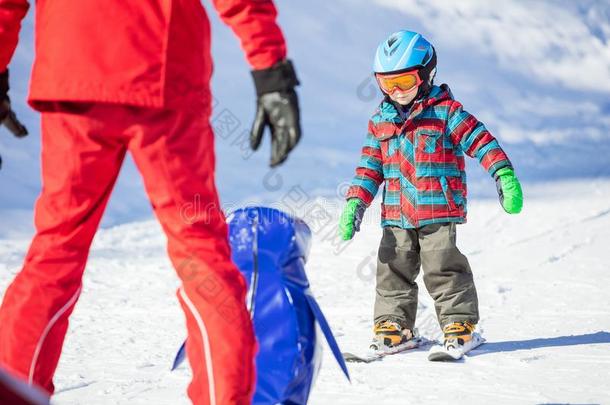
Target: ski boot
{"x":460,"y":338}
{"x":390,"y":336}
{"x":457,"y":334}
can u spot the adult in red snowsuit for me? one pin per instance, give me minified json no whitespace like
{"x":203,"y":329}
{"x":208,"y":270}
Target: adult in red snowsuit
{"x":133,"y":75}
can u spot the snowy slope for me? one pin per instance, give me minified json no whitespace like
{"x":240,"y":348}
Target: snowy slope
{"x":537,"y":75}
{"x":541,"y":276}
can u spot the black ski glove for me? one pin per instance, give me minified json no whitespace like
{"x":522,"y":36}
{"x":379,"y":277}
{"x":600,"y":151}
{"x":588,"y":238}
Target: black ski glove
{"x":277,"y":106}
{"x":7,"y":115}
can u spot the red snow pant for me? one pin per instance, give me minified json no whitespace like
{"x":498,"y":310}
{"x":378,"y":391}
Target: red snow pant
{"x":83,"y":147}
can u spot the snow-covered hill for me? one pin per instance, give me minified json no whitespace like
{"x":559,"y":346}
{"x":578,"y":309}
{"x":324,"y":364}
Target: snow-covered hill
{"x":542,"y":278}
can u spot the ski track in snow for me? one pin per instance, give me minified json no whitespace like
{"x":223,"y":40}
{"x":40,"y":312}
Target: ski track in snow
{"x":540,"y":277}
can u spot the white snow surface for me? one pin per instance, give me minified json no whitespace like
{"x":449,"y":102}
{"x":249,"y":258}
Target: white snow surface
{"x":542,"y":278}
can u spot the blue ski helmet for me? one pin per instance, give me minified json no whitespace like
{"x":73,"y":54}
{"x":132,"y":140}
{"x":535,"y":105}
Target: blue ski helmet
{"x":403,"y":51}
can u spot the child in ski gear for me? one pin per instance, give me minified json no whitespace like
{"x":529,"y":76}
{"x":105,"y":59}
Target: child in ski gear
{"x":134,"y":76}
{"x":415,"y":146}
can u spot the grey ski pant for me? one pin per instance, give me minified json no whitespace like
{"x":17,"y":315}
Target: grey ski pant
{"x":447,"y":275}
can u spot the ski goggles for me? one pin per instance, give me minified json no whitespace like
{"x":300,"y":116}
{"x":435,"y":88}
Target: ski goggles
{"x":403,"y":81}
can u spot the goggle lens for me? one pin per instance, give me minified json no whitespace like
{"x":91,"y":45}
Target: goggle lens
{"x":403,"y":81}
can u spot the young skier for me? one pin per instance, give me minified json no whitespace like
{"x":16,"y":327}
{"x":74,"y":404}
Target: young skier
{"x":415,"y":146}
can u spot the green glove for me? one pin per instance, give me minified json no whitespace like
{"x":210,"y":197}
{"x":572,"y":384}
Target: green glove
{"x":351,"y":218}
{"x":509,"y":190}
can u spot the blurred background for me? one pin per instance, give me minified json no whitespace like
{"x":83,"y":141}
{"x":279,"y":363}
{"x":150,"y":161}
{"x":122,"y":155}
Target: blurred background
{"x":536,"y":73}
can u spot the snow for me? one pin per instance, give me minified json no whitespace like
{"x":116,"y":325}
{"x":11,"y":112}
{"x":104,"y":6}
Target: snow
{"x":541,"y":278}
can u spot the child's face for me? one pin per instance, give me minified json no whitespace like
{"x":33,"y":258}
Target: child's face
{"x":403,"y":97}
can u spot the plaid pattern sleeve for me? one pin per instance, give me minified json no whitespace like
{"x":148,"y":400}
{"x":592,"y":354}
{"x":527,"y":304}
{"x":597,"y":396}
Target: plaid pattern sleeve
{"x":369,"y":173}
{"x":475,"y":140}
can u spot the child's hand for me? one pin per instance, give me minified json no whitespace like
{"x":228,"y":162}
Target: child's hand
{"x":509,"y":190}
{"x":351,"y":218}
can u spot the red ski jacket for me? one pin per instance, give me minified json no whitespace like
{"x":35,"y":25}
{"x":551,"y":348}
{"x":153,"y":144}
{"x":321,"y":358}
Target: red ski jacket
{"x":153,"y":53}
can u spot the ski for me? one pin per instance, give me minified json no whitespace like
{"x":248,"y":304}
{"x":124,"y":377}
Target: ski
{"x":442,"y":353}
{"x":374,"y":355}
